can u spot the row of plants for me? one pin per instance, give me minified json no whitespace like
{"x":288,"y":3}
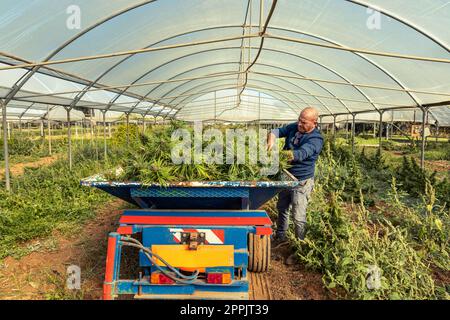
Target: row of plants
{"x":48,"y":199}
{"x":23,"y":146}
{"x":387,"y":247}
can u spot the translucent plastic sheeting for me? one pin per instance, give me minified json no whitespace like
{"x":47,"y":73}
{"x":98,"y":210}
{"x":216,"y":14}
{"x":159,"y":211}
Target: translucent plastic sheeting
{"x":193,"y":48}
{"x":439,"y":114}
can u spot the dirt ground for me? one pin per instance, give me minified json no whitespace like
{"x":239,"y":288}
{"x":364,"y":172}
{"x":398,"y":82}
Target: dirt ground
{"x":19,"y":168}
{"x":43,"y":273}
{"x":438,"y":165}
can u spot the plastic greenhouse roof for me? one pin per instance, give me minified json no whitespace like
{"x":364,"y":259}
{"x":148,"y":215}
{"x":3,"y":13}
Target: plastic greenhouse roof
{"x":226,"y":59}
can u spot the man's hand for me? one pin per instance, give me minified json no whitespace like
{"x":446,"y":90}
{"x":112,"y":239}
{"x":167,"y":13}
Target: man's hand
{"x":288,"y":155}
{"x":271,"y":139}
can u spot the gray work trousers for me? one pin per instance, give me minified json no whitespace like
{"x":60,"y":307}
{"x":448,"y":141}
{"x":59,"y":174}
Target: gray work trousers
{"x":297,"y":200}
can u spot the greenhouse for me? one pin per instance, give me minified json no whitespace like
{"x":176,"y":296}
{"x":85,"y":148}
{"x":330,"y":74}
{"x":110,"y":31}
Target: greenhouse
{"x":95,"y":95}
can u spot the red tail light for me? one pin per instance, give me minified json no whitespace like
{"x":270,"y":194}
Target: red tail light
{"x":218,"y":278}
{"x":160,"y":278}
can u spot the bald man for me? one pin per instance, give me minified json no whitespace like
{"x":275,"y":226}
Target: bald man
{"x":305,"y":142}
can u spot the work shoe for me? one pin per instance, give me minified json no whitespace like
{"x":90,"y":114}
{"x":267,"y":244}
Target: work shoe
{"x":291,"y":260}
{"x":278,"y":242}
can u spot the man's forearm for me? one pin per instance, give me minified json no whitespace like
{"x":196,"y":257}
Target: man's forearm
{"x":271,"y":138}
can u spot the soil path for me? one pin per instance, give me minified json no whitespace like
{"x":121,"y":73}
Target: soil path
{"x":43,"y":273}
{"x":19,"y":168}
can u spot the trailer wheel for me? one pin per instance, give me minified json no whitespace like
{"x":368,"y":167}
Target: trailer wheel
{"x":258,"y":253}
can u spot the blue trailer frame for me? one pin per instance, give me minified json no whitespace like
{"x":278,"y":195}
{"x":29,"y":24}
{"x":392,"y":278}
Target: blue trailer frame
{"x":214,"y":207}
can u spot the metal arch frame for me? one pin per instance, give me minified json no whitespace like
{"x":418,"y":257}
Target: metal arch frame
{"x":387,"y":73}
{"x":287,"y":104}
{"x":276,"y":67}
{"x":220,"y":103}
{"x":27,"y":76}
{"x":289,"y":82}
{"x":28,"y":108}
{"x":320,"y":86}
{"x":233,"y":86}
{"x":202,"y":84}
{"x":405,"y":22}
{"x":204,"y":66}
{"x":316,"y":97}
{"x":300,"y":75}
{"x":149,"y":46}
{"x":330,"y":41}
{"x":206,"y":29}
{"x":30,"y":73}
{"x":320,"y":65}
{"x":212,"y":28}
{"x":159,"y":66}
{"x":370,"y":61}
{"x":330,"y":70}
{"x":303,"y":101}
{"x":193,"y":69}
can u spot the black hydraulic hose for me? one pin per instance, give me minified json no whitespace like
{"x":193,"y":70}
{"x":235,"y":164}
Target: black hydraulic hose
{"x":139,"y":245}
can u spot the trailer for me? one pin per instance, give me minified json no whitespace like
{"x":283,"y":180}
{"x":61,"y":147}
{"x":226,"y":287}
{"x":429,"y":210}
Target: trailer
{"x":196,"y":240}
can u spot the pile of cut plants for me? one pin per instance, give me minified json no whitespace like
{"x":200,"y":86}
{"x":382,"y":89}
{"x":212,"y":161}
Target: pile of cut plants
{"x":148,"y":159}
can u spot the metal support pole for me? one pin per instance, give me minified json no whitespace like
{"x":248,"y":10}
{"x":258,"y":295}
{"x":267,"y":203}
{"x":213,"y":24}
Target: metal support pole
{"x":346,"y":129}
{"x":42,"y":128}
{"x":9,"y":131}
{"x":259,"y":109}
{"x":20,"y":126}
{"x":320,"y":123}
{"x":82,"y":132}
{"x":353,"y":132}
{"x":5,"y":147}
{"x":69,"y":137}
{"x":104,"y":134}
{"x":392,"y":124}
{"x":128,"y":128}
{"x":215,"y":107}
{"x":91,"y":124}
{"x":334,"y":126}
{"x":96,"y":141}
{"x":381,"y":130}
{"x":49,"y":132}
{"x":422,"y":151}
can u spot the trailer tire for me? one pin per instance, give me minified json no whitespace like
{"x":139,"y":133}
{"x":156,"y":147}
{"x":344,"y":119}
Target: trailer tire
{"x":258,"y":252}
